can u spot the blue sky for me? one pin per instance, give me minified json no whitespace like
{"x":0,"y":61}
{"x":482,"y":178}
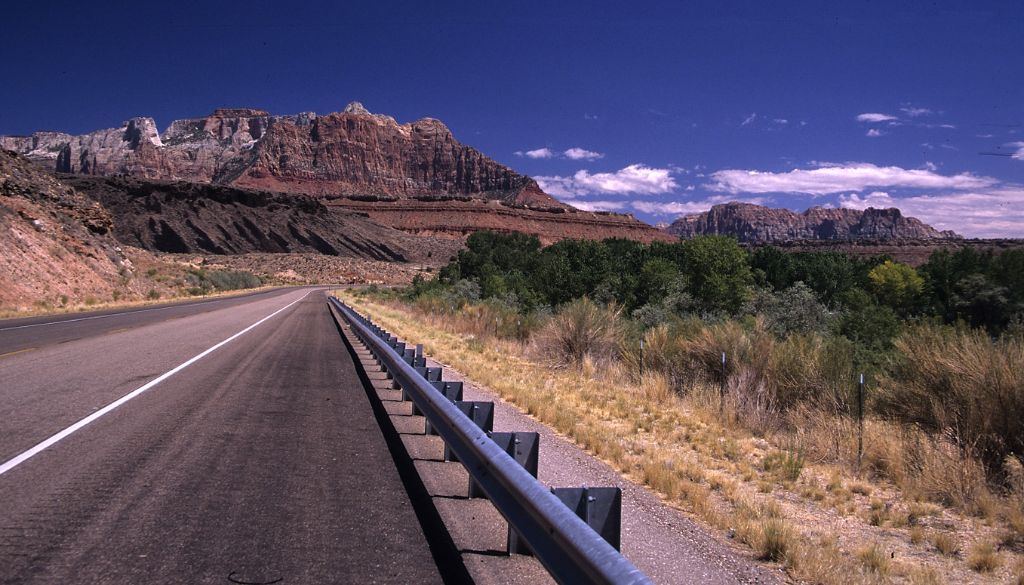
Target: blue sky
{"x":656,"y":109}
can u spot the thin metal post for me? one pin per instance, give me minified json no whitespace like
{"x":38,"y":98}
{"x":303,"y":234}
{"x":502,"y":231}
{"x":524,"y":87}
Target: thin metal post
{"x":721,"y":390}
{"x":641,"y":358}
{"x":860,"y":422}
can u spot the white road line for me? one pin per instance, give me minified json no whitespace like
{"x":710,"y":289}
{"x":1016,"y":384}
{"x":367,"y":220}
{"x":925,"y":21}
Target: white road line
{"x":58,"y":322}
{"x":19,"y":459}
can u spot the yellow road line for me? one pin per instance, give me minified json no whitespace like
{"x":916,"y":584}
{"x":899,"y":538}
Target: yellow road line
{"x":16,"y":352}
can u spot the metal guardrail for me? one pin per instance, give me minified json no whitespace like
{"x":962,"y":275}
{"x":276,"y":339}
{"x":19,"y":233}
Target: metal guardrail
{"x":569,"y":549}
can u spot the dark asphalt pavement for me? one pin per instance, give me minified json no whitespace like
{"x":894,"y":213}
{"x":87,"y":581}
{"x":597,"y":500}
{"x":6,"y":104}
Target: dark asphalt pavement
{"x":259,"y":463}
{"x":17,"y":335}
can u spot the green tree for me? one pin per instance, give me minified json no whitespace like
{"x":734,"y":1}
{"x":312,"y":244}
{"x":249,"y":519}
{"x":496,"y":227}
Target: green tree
{"x":717,"y":272}
{"x":773,"y":267}
{"x":896,"y":284}
{"x":571,"y":269}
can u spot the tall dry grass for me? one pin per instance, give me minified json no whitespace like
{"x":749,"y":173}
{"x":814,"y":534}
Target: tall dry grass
{"x":580,"y":331}
{"x":963,"y":384}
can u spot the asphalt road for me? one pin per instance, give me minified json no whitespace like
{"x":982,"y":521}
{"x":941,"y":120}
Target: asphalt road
{"x":31,"y":333}
{"x":259,"y":462}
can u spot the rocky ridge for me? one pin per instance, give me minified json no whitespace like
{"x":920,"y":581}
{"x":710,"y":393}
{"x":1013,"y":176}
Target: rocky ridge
{"x":750,"y":223}
{"x":413,"y":177}
{"x":348,"y":152}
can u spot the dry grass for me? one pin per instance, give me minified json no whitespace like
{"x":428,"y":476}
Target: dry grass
{"x":874,"y":558}
{"x":964,"y":383}
{"x":983,"y":558}
{"x":712,"y":466}
{"x":774,"y":540}
{"x":924,"y":576}
{"x":580,"y":331}
{"x":946,"y":544}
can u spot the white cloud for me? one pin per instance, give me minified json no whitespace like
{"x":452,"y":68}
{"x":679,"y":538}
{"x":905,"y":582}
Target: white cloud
{"x":874,"y":133}
{"x":988,"y":213}
{"x":929,"y":165}
{"x":577,"y":153}
{"x":538,"y":153}
{"x":840,"y":178}
{"x":876,"y":117}
{"x":749,"y":119}
{"x":587,"y":116}
{"x":677,"y":208}
{"x":916,"y":112}
{"x":1019,"y":154}
{"x":599,"y":205}
{"x":781,"y":121}
{"x":636,"y":178}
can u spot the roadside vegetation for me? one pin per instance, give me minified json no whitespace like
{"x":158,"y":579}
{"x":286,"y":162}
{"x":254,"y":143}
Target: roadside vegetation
{"x":619,"y":346}
{"x":158,"y":282}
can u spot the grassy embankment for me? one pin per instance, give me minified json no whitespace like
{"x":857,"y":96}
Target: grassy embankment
{"x":784,"y":483}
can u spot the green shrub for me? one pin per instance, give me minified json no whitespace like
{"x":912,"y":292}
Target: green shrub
{"x":793,"y":310}
{"x":218,"y":280}
{"x":786,"y":465}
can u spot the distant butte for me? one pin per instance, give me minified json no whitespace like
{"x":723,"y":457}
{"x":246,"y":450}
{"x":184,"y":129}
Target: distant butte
{"x":756,"y":224}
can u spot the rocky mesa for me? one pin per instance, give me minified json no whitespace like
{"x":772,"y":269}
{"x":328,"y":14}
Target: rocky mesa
{"x":404,"y":176}
{"x":755,"y":224}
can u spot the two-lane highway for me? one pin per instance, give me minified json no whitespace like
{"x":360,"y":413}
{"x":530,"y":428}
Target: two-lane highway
{"x":244,"y":449}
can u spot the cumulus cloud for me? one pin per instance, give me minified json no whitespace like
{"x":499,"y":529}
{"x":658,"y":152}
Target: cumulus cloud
{"x":1019,"y":153}
{"x":987,"y":213}
{"x":538,"y":153}
{"x":874,"y":133}
{"x":599,"y":205}
{"x":577,"y":153}
{"x":876,"y":117}
{"x":677,"y":208}
{"x":841,"y":178}
{"x":637,"y":178}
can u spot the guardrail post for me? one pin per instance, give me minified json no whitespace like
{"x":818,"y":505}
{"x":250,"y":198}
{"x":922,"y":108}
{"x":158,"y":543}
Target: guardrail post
{"x":431,"y":375}
{"x":523,"y":447}
{"x":481,"y":413}
{"x":450,"y":390}
{"x":600,"y":508}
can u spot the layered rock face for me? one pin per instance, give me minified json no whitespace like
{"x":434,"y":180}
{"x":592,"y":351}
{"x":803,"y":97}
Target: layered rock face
{"x":195,"y":218}
{"x":414,"y":177}
{"x":756,"y":224}
{"x":352,"y":152}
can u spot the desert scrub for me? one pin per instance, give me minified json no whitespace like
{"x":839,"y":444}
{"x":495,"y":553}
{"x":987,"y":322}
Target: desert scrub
{"x":676,"y":443}
{"x":983,"y":558}
{"x":961,"y":382}
{"x":774,"y":540}
{"x":785,"y":465}
{"x":580,"y":330}
{"x":874,"y":558}
{"x":946,"y":544}
{"x":205,"y":281}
